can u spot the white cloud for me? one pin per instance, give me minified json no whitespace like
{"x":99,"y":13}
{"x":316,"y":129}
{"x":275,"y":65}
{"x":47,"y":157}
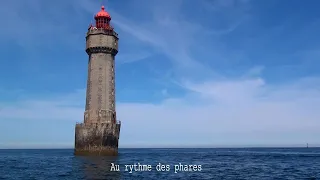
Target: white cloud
{"x":219,"y":113}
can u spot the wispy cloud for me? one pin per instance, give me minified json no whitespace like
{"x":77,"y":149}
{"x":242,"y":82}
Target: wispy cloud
{"x":174,"y":36}
{"x":232,"y":109}
{"x":130,"y":58}
{"x":34,"y":24}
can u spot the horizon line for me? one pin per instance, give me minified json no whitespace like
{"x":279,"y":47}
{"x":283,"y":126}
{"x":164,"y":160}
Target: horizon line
{"x":222,"y":147}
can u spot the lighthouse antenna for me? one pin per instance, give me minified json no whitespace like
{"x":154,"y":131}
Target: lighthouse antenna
{"x":104,"y":3}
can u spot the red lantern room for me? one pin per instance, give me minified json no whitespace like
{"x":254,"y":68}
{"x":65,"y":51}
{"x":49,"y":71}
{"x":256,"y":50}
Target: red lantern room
{"x":103,"y":19}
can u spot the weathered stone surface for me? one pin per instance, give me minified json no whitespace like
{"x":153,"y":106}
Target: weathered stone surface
{"x":97,"y":139}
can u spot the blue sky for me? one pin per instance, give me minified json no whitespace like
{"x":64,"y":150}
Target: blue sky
{"x":207,"y":72}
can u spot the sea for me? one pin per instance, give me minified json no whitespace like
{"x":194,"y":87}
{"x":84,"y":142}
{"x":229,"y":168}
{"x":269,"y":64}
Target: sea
{"x":149,"y":164}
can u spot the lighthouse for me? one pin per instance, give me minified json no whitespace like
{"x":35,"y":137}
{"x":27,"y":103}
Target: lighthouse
{"x":99,"y":132}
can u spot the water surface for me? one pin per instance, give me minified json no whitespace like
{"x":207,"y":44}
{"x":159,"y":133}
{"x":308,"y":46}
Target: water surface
{"x":226,"y":163}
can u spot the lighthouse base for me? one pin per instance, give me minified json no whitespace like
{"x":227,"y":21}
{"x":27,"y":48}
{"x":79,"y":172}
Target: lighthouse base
{"x":98,"y":151}
{"x":97,"y":139}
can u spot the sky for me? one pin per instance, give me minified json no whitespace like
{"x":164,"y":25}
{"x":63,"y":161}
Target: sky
{"x":206,"y":73}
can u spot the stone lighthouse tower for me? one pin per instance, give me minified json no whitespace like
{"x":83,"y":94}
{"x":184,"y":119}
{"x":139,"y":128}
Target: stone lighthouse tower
{"x":99,"y":133}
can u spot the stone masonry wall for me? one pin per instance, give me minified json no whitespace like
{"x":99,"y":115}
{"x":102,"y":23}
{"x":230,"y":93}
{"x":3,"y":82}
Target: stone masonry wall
{"x":100,"y":101}
{"x":97,"y":137}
